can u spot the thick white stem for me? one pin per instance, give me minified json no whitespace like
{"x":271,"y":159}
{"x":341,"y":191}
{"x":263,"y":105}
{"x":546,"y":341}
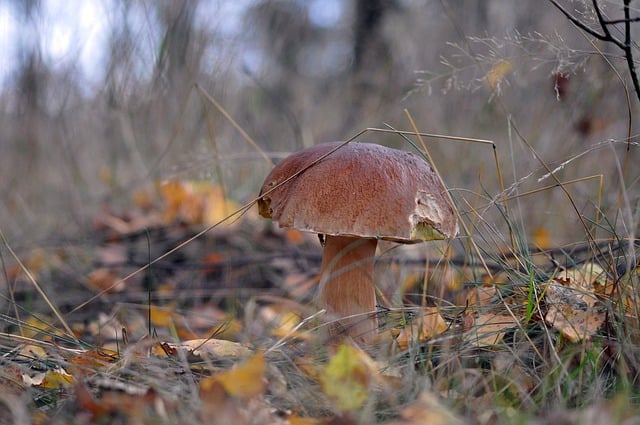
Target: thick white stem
{"x":347,"y":286}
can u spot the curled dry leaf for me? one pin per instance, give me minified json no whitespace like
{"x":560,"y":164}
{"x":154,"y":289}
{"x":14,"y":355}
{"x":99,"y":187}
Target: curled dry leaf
{"x":572,"y":302}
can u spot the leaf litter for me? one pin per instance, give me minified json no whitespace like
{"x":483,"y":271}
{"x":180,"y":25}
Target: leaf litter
{"x":224,"y":331}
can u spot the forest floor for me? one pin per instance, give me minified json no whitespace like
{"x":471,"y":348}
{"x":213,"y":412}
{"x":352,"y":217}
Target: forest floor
{"x":148,"y":318}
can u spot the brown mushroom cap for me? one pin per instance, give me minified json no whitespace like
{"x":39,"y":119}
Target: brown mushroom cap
{"x":362,"y":189}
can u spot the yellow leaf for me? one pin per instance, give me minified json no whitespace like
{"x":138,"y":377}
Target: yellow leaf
{"x":57,"y":378}
{"x":297,"y":420}
{"x":497,"y":73}
{"x":143,"y":198}
{"x":216,"y":206}
{"x":345,"y":380}
{"x":541,"y":238}
{"x":245,"y":380}
{"x":162,"y":316}
{"x":174,"y":193}
{"x":31,"y":352}
{"x":51,"y":379}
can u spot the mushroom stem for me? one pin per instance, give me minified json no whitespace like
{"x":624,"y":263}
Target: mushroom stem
{"x":347,"y":287}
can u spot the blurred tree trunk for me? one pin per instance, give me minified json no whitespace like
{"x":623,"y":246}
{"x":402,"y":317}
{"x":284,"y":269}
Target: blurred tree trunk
{"x":176,"y":19}
{"x":373,"y":65}
{"x":369,"y":41}
{"x":31,"y":83}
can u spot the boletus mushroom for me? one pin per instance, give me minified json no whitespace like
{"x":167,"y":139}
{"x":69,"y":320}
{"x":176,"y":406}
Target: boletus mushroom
{"x":354,"y":196}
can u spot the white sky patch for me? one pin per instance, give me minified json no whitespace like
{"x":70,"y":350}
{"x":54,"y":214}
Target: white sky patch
{"x":8,"y":33}
{"x":75,"y":32}
{"x":325,"y":13}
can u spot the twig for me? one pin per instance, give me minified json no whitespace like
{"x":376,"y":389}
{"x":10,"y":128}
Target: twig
{"x":606,"y":35}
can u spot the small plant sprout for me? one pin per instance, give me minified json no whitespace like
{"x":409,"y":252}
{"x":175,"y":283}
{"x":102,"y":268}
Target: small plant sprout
{"x":352,"y":195}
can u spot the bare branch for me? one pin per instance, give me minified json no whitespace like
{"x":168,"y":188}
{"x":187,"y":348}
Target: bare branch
{"x":628,"y":52}
{"x":606,"y":35}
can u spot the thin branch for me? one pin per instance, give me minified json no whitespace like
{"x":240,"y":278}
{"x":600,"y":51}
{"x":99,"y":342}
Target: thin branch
{"x":620,"y":21}
{"x":604,"y":27}
{"x":604,"y":37}
{"x":628,"y":52}
{"x":607,"y":37}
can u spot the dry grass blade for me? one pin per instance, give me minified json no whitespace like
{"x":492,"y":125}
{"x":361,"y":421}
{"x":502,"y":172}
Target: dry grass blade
{"x":233,"y":122}
{"x":38,"y":288}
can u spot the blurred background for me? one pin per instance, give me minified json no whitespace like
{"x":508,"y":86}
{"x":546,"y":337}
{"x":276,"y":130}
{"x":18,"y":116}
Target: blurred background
{"x":99,"y":98}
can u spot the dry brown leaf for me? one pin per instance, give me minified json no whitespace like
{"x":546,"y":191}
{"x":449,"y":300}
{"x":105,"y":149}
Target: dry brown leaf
{"x":210,"y":349}
{"x":575,"y":325}
{"x":104,"y":280}
{"x":427,"y":409}
{"x":428,"y":324}
{"x":489,"y":329}
{"x":572,"y":302}
{"x":91,"y":361}
{"x":480,"y":296}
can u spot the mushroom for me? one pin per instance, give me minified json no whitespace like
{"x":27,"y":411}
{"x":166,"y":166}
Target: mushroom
{"x":353,"y":195}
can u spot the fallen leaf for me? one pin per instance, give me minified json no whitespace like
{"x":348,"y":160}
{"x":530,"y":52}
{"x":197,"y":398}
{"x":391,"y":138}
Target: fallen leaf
{"x":162,"y":316}
{"x":104,"y":280}
{"x":244,"y":380}
{"x":572,"y":302}
{"x":91,"y":361}
{"x":216,"y":206}
{"x":345,"y":379}
{"x":427,"y":409}
{"x":197,"y":350}
{"x":489,"y":329}
{"x":480,"y":296}
{"x":575,"y":325}
{"x":541,"y":238}
{"x":426,"y":325}
{"x":51,"y":379}
{"x":297,"y":420}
